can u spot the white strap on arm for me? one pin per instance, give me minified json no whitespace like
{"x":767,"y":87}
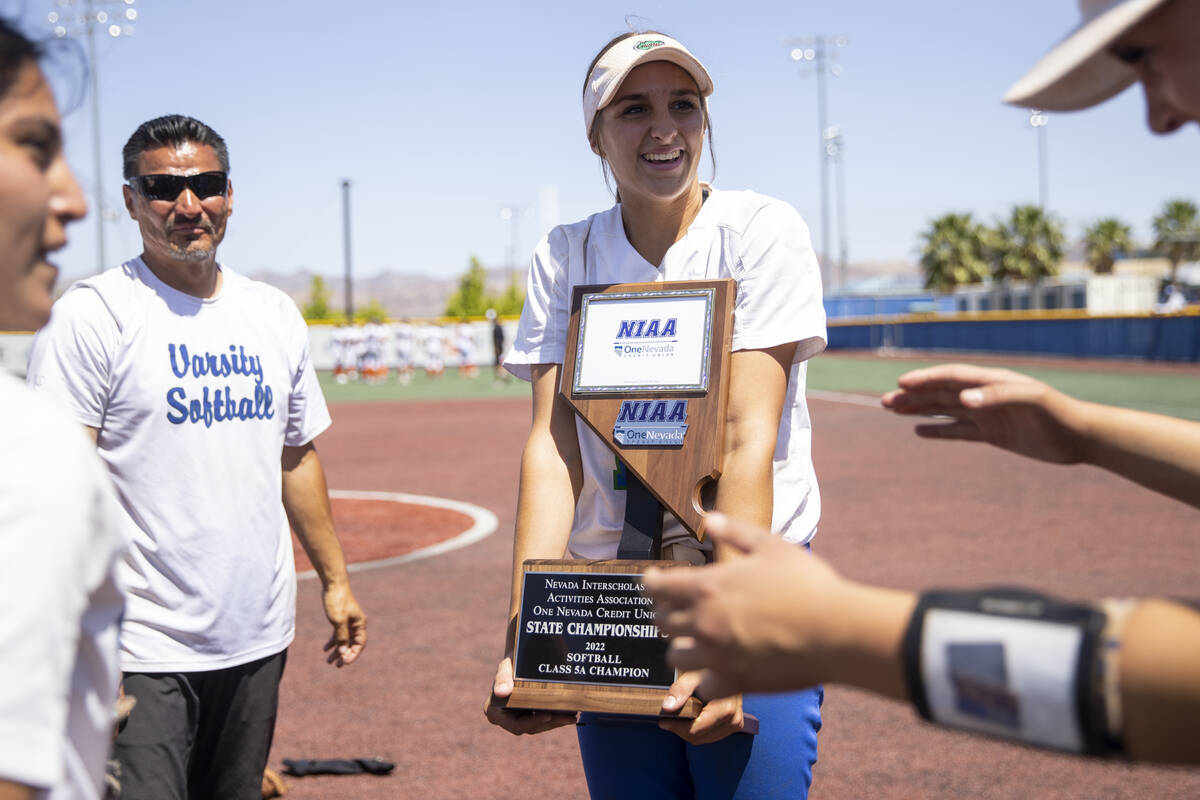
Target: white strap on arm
{"x":1012,"y":664}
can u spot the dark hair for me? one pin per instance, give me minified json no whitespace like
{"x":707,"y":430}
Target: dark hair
{"x":61,"y":61}
{"x":593,"y":133}
{"x":171,"y":131}
{"x":16,"y":50}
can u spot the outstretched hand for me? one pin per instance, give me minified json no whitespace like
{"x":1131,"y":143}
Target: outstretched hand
{"x":998,"y":406}
{"x":757,"y":623}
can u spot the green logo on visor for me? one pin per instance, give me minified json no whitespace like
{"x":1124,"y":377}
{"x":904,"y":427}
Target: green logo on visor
{"x":649,"y":45}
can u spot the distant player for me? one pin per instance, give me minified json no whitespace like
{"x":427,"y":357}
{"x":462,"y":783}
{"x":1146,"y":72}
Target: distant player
{"x":402,"y":345}
{"x":433,"y":342}
{"x":375,"y":336}
{"x":499,"y":373}
{"x":464,"y":345}
{"x":343,"y":360}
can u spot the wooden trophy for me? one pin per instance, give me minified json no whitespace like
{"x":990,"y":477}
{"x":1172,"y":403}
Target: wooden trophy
{"x":647,"y":368}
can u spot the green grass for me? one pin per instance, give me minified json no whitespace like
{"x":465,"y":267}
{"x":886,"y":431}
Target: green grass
{"x":1176,"y":395}
{"x":448,"y":387}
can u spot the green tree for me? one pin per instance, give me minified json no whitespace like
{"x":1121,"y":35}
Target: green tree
{"x":1177,"y":233}
{"x":469,"y":299}
{"x":953,"y":252}
{"x":317,"y":307}
{"x":1026,"y":246}
{"x":511,"y":302}
{"x":1103,"y":240}
{"x":373,"y":311}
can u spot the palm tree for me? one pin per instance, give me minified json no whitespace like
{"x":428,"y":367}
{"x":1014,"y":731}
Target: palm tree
{"x":1027,"y":246}
{"x":1103,"y":240}
{"x":953,"y":252}
{"x":1177,"y":233}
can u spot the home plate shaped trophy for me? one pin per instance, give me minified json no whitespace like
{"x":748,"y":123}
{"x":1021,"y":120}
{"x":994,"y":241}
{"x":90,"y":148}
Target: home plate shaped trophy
{"x":647,"y":369}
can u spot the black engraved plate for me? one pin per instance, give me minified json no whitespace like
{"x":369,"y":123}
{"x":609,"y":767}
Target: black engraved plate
{"x":593,"y":628}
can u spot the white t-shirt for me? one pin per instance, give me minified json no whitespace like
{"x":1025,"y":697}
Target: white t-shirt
{"x":195,"y":400}
{"x":403,"y":334}
{"x":60,"y":545}
{"x":760,"y":242}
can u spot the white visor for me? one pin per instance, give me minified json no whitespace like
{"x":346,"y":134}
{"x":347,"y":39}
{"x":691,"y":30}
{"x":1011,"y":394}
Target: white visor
{"x":1080,"y":72}
{"x":620,"y":59}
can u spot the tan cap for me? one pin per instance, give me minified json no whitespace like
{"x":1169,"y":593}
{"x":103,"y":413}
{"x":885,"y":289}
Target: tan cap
{"x":619,"y":60}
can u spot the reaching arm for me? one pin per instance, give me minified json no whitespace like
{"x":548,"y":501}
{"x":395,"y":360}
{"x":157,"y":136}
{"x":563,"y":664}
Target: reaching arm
{"x":780,"y":619}
{"x":306,"y":501}
{"x":1026,"y":416}
{"x":757,"y":387}
{"x":551,"y":479}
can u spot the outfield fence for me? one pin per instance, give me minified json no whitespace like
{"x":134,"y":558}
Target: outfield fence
{"x":1166,"y":337}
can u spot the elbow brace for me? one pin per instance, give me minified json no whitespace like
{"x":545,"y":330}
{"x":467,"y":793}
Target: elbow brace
{"x":1017,"y":665}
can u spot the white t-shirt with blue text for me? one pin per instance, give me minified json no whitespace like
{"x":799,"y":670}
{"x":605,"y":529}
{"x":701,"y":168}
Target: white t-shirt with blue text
{"x":757,"y":240}
{"x":194,"y":400}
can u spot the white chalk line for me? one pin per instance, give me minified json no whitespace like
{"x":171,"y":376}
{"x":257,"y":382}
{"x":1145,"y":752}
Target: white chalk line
{"x":484,"y":525}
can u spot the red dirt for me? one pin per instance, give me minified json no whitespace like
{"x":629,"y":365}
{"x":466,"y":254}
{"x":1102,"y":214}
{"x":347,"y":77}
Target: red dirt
{"x":897,"y":510}
{"x":373,"y":529}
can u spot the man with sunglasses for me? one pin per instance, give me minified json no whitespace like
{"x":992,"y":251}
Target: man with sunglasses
{"x":197,"y":385}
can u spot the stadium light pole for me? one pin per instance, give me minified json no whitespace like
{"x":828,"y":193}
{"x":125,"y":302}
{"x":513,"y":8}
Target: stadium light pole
{"x":835,"y":151}
{"x":346,"y":249}
{"x":511,"y":214}
{"x":1038,"y":120}
{"x":820,"y":51}
{"x":82,"y":18}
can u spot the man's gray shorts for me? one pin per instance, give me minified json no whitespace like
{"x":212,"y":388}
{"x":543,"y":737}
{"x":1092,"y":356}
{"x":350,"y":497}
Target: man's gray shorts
{"x":199,"y":734}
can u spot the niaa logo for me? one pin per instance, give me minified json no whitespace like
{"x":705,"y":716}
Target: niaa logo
{"x":649,"y":45}
{"x":652,"y":411}
{"x":651,"y":423}
{"x":647,"y":328}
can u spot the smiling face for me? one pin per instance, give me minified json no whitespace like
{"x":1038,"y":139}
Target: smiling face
{"x":1162,"y":50}
{"x":38,"y":198}
{"x":187,"y":228}
{"x":652,"y":133}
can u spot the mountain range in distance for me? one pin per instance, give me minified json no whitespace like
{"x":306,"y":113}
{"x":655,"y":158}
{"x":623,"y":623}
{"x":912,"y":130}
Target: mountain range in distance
{"x":415,"y":295}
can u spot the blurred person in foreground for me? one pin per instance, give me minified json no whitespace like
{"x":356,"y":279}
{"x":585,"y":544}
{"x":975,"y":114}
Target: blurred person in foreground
{"x":197,"y":385}
{"x":59,"y":538}
{"x":1118,"y":678}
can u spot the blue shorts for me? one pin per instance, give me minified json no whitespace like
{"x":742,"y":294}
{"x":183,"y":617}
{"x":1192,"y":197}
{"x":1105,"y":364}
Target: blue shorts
{"x":631,"y":758}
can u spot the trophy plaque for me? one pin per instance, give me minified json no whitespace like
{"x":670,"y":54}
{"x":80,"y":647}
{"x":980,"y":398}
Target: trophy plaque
{"x":647,"y":369}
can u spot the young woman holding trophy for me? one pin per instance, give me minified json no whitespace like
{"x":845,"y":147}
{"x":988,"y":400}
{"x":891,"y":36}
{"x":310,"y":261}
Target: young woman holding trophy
{"x":646,"y":116}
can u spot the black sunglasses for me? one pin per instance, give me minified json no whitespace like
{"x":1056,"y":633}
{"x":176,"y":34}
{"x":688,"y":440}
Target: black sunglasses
{"x":169,"y":187}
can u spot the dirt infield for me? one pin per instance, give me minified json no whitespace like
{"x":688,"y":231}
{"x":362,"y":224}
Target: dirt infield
{"x":896,"y":510}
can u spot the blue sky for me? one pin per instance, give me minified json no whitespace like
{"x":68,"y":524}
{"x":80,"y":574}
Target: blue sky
{"x":442,"y":113}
